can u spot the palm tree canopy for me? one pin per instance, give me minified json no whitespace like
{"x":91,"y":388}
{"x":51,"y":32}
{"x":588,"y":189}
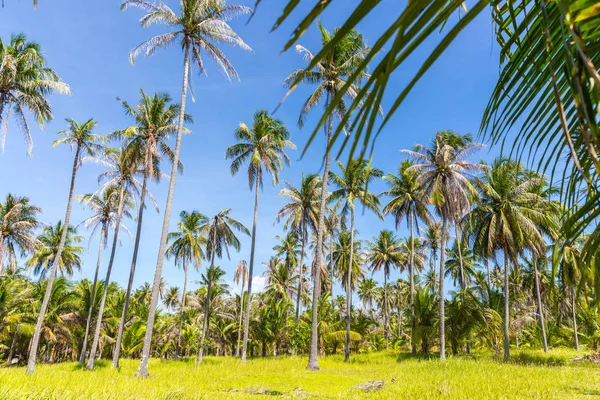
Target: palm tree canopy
{"x":80,"y":135}
{"x":352,"y":184}
{"x":18,"y":221}
{"x":220,"y":234}
{"x":186,"y":244}
{"x":384,"y":252}
{"x":47,"y":247}
{"x":303,"y":209}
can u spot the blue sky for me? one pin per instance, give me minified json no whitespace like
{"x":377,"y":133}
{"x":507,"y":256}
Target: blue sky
{"x":88,"y":44}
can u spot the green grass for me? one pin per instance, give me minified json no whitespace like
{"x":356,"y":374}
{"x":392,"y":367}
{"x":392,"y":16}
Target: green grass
{"x":530,"y":375}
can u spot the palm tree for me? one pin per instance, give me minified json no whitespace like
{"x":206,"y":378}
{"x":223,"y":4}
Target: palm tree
{"x":263,"y":146}
{"x":301,"y":213}
{"x":510,"y":217}
{"x":105,"y":212}
{"x":240,"y":276}
{"x":463,"y":275}
{"x":48,"y":243}
{"x":18,"y":221}
{"x":25,"y":84}
{"x":220,"y":235}
{"x":384,"y":254}
{"x":78,"y":136}
{"x":155,"y":120}
{"x":330,"y":75}
{"x":367,"y":292}
{"x":172,"y":299}
{"x":432,"y":239}
{"x":200,"y":25}
{"x":186,"y":246}
{"x":444,"y":173}
{"x":352,"y":184}
{"x":407,"y":200}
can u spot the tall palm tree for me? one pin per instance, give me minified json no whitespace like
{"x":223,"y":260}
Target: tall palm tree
{"x":445,"y":174}
{"x":464,"y":276}
{"x":263,"y":146}
{"x":25,"y":84}
{"x":81,"y":137}
{"x":301,"y":213}
{"x":47,"y":247}
{"x":384,"y":254}
{"x":155,"y":120}
{"x":351,"y":185}
{"x":240,"y":276}
{"x":407,"y":200}
{"x":186,"y":245}
{"x":105,"y":214}
{"x":220,"y":235}
{"x":510,"y":217}
{"x":18,"y":221}
{"x":330,"y":75}
{"x":200,"y":25}
{"x":432,"y":239}
{"x":367,"y":292}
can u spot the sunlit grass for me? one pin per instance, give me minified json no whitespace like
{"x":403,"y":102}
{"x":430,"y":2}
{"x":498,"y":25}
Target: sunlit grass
{"x":531,"y":374}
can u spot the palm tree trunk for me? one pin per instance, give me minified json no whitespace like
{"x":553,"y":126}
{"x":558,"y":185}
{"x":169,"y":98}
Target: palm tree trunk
{"x":539,"y":305}
{"x":138,"y":233}
{"x":573,"y":311}
{"x":185,"y":281}
{"x":506,"y":308}
{"x":250,"y":272}
{"x":412,"y":284}
{"x":385,"y":309}
{"x":313,"y":357}
{"x":331,"y":266}
{"x":91,"y":359}
{"x":88,"y":322}
{"x":207,"y":304}
{"x":11,"y":351}
{"x":1,"y":246}
{"x":349,"y":286}
{"x":142,"y":370}
{"x":237,"y":347}
{"x":463,"y":282}
{"x":301,"y":274}
{"x":442,"y":300}
{"x":40,"y":320}
{"x":489,"y":275}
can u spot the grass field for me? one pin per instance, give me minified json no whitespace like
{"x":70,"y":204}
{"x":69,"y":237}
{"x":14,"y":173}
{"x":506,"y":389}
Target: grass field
{"x":529,"y":375}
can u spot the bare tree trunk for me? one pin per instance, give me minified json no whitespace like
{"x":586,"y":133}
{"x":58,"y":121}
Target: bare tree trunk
{"x":207,"y":305}
{"x":506,"y":308}
{"x":11,"y":350}
{"x":489,"y":274}
{"x":463,"y":282}
{"x":573,"y":305}
{"x":250,"y":272}
{"x":385,"y":310}
{"x":539,"y":305}
{"x":412,"y":284}
{"x":142,"y":370}
{"x":237,"y":347}
{"x":185,"y":281}
{"x":442,"y":300}
{"x":301,"y":273}
{"x":91,"y":359}
{"x":349,"y":286}
{"x":331,"y":267}
{"x":313,"y":358}
{"x":1,"y":246}
{"x":88,"y":322}
{"x":138,"y":234}
{"x":40,"y":320}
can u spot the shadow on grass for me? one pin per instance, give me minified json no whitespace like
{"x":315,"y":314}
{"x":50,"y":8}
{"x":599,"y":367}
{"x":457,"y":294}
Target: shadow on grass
{"x":526,"y":358}
{"x":98,"y":364}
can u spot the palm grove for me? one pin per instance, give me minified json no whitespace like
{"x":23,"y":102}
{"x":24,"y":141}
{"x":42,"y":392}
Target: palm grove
{"x":496,"y":231}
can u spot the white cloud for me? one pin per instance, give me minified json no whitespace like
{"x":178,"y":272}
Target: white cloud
{"x":258,"y":284}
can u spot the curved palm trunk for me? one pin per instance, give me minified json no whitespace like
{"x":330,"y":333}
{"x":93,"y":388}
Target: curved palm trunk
{"x":40,"y":320}
{"x":250,"y":272}
{"x":206,"y":307}
{"x":237,"y":346}
{"x":92,"y":357}
{"x":142,"y":370}
{"x":92,"y":298}
{"x":442,"y":300}
{"x":349,"y":286}
{"x":313,"y":357}
{"x":574,"y":313}
{"x":300,"y":275}
{"x":185,"y":281}
{"x":539,"y":305}
{"x":412,"y":285}
{"x":138,"y":233}
{"x":506,"y":308}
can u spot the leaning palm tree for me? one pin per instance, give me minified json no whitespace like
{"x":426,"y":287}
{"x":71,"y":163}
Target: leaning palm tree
{"x":104,"y":217}
{"x":219,"y":232}
{"x":511,"y":217}
{"x":81,"y":137}
{"x":44,"y":255}
{"x":240,"y":276}
{"x":330,"y":75}
{"x":155,"y":120}
{"x":263,"y":146}
{"x":200,"y":25}
{"x":407,"y":200}
{"x":446,"y":176}
{"x":186,"y":245}
{"x":25,"y":84}
{"x":384,"y":254}
{"x":301,"y":213}
{"x":18,"y":222}
{"x":351,"y":185}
